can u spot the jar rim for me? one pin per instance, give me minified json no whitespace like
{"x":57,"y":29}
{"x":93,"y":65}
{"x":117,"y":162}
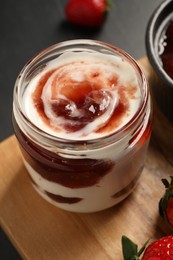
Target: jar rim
{"x":83,"y":42}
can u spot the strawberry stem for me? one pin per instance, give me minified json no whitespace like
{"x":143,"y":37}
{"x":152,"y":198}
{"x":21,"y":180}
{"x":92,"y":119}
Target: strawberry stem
{"x":109,"y":3}
{"x":142,"y":248}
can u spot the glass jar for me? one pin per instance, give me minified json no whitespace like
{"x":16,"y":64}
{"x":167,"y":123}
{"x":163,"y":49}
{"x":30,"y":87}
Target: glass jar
{"x":82,"y":175}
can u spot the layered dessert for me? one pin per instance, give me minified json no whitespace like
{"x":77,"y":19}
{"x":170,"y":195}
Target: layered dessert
{"x":88,"y":103}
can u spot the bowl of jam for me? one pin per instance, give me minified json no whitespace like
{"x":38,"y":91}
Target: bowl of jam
{"x":159,"y":47}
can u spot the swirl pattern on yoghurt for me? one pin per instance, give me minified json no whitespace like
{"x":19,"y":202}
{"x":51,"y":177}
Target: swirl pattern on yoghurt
{"x":83,"y":95}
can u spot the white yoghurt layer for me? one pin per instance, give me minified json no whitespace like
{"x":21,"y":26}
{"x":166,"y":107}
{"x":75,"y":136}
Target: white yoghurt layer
{"x":71,"y":70}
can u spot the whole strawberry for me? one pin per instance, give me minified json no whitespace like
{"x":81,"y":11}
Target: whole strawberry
{"x":89,"y":13}
{"x":166,"y":203}
{"x":161,"y":249}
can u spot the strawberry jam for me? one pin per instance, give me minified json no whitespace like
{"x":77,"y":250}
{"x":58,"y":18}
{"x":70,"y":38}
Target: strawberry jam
{"x":65,"y":171}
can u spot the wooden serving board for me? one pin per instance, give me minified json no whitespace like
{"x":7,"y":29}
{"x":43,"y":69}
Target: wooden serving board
{"x":39,"y":230}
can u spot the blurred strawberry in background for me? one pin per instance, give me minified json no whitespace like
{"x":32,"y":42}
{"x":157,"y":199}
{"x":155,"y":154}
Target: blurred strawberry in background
{"x":166,"y":203}
{"x":88,"y":13}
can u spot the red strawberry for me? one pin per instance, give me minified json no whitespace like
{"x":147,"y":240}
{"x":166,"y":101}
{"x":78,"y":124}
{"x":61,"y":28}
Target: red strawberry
{"x":90,"y":13}
{"x":161,"y":249}
{"x":166,"y":203}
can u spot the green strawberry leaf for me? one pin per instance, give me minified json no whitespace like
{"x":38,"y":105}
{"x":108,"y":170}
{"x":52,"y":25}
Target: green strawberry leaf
{"x":129,"y":248}
{"x":165,"y":182}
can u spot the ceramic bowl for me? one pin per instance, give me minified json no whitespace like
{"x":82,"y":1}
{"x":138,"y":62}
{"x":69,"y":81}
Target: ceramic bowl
{"x":161,"y":84}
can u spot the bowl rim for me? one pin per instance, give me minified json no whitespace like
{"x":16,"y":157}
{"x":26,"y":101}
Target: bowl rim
{"x":149,"y":42}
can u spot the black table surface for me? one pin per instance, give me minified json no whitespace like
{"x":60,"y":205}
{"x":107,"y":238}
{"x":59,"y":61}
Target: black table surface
{"x":28,"y":26}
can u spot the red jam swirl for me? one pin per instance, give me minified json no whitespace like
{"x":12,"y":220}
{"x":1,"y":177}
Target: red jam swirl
{"x":64,"y":102}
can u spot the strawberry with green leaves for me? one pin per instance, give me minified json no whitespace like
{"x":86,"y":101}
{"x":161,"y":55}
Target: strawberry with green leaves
{"x":88,"y":13}
{"x":166,"y":203}
{"x":161,"y":249}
